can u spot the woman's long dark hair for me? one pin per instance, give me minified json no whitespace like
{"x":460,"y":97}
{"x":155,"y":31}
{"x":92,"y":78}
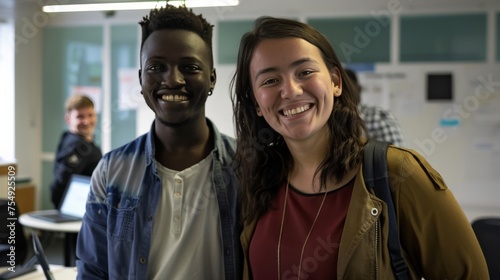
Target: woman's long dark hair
{"x":262,"y":157}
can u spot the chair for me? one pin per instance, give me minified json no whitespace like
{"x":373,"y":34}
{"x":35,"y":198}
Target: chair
{"x":21,"y":245}
{"x":487,"y":231}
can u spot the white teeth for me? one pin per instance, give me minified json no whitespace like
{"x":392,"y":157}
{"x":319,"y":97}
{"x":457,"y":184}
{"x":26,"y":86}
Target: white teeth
{"x":174,"y":98}
{"x":297,"y":110}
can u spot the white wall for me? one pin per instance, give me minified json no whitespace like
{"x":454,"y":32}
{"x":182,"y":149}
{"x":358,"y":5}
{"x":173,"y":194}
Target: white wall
{"x":28,"y":92}
{"x":450,"y":158}
{"x":466,"y":155}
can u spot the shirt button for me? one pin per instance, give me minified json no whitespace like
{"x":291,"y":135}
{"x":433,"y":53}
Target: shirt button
{"x":176,"y":218}
{"x":142,"y":260}
{"x":178,"y":181}
{"x":177,"y":194}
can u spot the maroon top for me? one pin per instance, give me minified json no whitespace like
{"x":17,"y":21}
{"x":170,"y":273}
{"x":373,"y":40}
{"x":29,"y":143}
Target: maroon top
{"x":319,"y":260}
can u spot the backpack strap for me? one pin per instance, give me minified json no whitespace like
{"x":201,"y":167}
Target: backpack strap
{"x":376,"y":177}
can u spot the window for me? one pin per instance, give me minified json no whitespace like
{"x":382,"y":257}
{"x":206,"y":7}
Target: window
{"x":7,"y":101}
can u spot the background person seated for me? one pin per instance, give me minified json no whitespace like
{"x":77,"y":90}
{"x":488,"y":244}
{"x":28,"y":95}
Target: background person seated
{"x":76,"y":152}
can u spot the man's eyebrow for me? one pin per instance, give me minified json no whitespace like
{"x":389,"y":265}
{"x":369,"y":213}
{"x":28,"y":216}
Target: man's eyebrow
{"x":293,"y":64}
{"x":193,"y":58}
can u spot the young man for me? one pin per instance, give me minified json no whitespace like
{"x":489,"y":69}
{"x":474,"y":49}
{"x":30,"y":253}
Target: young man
{"x":76,"y":152}
{"x":164,"y":206}
{"x":381,"y":124}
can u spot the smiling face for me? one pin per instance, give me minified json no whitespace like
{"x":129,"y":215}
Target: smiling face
{"x":82,"y":121}
{"x":176,"y":75}
{"x":293,"y":88}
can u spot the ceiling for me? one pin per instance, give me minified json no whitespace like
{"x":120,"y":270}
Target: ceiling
{"x":10,"y":9}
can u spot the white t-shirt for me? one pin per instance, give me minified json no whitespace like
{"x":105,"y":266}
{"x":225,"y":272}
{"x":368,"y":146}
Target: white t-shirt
{"x":186,"y":242}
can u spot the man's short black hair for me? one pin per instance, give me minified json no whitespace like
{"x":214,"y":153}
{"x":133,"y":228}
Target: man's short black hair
{"x":171,"y":17}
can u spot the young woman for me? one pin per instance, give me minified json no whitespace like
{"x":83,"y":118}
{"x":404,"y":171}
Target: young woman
{"x":306,"y":211}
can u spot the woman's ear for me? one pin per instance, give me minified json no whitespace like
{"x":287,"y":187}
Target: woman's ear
{"x":259,"y":112}
{"x":337,"y":82}
{"x":337,"y":91}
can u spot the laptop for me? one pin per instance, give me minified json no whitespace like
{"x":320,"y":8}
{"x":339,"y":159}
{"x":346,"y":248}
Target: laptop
{"x":73,"y":202}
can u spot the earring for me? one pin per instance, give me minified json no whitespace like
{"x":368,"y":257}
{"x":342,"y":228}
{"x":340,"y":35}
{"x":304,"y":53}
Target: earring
{"x":337,"y":91}
{"x":210,"y":92}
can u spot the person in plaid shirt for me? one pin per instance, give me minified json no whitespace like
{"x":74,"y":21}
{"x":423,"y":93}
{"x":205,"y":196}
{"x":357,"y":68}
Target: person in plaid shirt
{"x":381,"y":124}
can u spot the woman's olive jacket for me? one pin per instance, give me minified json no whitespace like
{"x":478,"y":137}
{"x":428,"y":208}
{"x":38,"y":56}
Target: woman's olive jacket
{"x":436,"y":237}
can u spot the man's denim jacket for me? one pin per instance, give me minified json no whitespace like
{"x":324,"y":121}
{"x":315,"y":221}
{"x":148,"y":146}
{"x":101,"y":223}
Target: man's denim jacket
{"x":115,"y":237}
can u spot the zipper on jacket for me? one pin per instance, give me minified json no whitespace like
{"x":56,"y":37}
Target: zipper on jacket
{"x":376,"y":245}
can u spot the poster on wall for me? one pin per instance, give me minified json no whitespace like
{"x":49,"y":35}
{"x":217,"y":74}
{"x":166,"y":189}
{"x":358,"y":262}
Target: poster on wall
{"x":129,"y":89}
{"x":95,"y":93}
{"x":406,"y":99}
{"x":478,"y":110}
{"x":374,"y":89}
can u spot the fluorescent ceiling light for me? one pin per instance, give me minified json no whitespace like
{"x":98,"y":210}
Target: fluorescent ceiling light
{"x":135,"y":5}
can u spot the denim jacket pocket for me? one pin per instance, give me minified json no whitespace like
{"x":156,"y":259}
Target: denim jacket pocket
{"x":121,"y":218}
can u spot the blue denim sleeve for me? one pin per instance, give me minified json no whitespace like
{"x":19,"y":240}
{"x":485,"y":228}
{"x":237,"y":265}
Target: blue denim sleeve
{"x":92,"y":244}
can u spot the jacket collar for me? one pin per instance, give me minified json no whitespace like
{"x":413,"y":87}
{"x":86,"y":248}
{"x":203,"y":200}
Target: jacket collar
{"x":220,"y":152}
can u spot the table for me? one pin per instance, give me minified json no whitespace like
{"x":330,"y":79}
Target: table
{"x":70,"y":229}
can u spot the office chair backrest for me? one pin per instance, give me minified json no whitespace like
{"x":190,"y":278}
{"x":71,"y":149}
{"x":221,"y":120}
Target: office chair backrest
{"x":488,"y":234}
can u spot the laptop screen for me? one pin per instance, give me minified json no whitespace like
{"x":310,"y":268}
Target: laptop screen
{"x":75,"y":197}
